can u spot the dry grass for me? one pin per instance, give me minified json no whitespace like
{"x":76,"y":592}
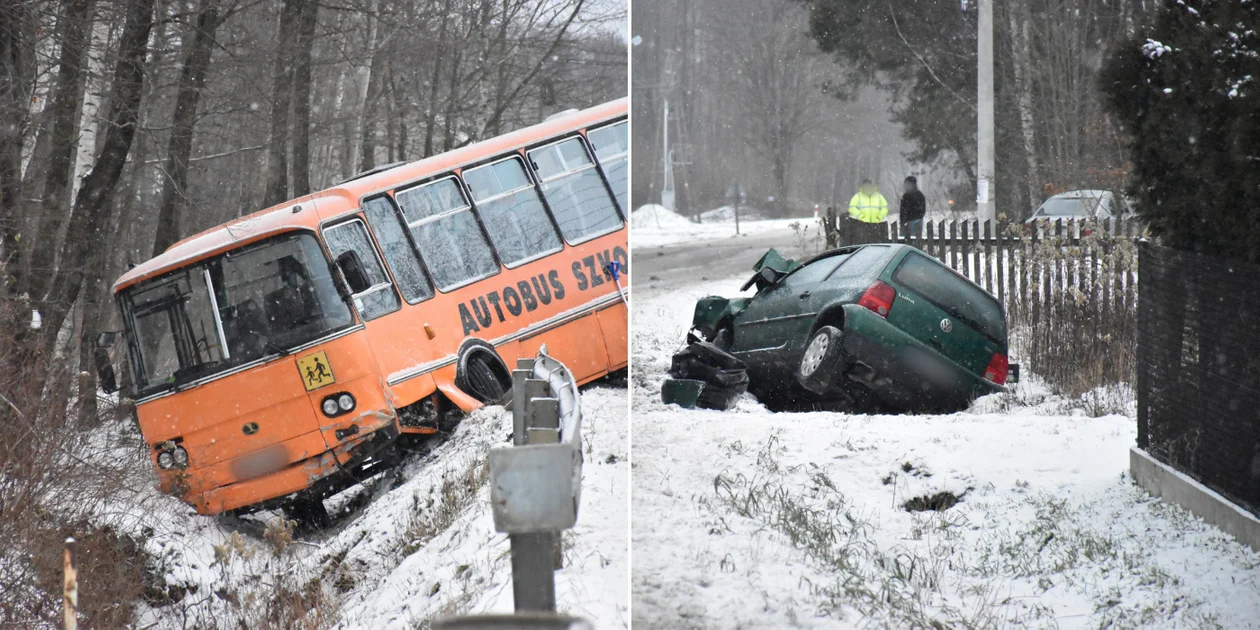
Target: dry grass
{"x":1083,"y":337}
{"x":58,"y":476}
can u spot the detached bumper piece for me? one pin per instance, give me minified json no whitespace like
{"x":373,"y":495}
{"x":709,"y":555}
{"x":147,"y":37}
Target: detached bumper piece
{"x":705,"y":376}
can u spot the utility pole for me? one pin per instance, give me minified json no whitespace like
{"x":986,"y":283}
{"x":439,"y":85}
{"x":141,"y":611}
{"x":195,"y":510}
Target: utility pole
{"x":984,"y":112}
{"x":667,"y":189}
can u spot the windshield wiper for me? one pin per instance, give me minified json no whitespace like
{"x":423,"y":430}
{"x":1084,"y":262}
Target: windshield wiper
{"x":183,"y":375}
{"x":272,"y":346}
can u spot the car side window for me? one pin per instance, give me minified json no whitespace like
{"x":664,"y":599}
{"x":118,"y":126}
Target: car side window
{"x":814,"y":272}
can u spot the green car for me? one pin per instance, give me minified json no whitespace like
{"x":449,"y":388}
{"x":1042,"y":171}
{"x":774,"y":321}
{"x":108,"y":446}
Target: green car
{"x":871,"y":328}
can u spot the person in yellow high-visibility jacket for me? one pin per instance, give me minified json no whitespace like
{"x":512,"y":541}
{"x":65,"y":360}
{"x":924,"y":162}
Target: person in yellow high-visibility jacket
{"x":868,"y":206}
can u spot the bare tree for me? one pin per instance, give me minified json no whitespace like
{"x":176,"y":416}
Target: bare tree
{"x":79,"y":259}
{"x":277,"y":176}
{"x":64,"y":110}
{"x":774,"y":78}
{"x":307,"y":22}
{"x":179,"y":148}
{"x":17,"y":69}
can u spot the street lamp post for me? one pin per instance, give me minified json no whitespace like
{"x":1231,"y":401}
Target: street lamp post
{"x":984,"y":112}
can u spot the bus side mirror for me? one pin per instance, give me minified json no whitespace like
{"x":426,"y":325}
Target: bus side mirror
{"x":106,"y":339}
{"x":352,"y":269}
{"x":105,"y":372}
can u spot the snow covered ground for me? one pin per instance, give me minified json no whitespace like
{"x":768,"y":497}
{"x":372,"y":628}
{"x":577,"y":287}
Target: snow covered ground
{"x":751,"y":519}
{"x":424,"y":547}
{"x":654,"y":226}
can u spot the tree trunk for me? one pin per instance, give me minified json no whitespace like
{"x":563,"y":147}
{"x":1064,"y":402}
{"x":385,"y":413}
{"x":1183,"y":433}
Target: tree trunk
{"x":64,"y":110}
{"x":363,"y":83}
{"x":93,"y":95}
{"x":277,"y":177}
{"x":192,"y":80}
{"x":435,"y":81}
{"x":1022,"y":55}
{"x":91,"y":208}
{"x":307,"y":22}
{"x":367,"y":124}
{"x":16,"y":78}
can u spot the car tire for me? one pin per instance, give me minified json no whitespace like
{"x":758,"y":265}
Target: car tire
{"x":821,"y":363}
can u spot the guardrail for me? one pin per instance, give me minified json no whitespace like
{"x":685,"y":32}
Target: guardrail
{"x":536,"y":484}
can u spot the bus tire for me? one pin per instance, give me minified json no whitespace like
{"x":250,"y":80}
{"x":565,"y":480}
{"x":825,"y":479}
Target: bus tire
{"x":482,"y":374}
{"x":308,"y":510}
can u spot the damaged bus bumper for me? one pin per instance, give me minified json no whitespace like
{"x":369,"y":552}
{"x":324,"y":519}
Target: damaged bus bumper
{"x":326,"y":473}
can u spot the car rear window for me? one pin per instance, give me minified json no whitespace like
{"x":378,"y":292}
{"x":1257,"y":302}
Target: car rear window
{"x":953,"y":294}
{"x":862,"y":262}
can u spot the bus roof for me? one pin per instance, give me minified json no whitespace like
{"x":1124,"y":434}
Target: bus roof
{"x":309,"y":211}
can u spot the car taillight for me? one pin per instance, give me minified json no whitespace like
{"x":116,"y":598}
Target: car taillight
{"x":878,"y":298}
{"x":996,"y":371}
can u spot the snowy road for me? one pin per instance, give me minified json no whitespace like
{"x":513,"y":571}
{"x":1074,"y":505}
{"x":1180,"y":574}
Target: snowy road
{"x":750,"y":519}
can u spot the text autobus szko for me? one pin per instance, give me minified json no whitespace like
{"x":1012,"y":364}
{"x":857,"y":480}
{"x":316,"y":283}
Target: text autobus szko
{"x":283,"y":352}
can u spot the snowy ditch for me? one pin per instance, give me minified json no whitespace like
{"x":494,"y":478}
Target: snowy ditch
{"x":1018,"y":512}
{"x":417,"y":546}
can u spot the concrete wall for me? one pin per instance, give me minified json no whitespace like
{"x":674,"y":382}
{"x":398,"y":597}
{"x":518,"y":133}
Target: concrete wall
{"x":1170,"y":485}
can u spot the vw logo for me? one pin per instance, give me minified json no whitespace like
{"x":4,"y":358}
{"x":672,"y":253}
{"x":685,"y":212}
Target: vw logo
{"x":946,"y":325}
{"x":250,"y":428}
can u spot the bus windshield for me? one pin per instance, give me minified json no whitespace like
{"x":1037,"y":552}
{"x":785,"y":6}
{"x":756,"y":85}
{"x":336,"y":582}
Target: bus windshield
{"x":262,"y":299}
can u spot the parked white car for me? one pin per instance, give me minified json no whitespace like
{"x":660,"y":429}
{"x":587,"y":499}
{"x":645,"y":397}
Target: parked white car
{"x":1077,"y":206}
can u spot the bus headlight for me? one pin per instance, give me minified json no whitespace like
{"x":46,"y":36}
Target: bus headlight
{"x":337,"y":404}
{"x":345,"y":402}
{"x":330,"y":407}
{"x":171,"y":455}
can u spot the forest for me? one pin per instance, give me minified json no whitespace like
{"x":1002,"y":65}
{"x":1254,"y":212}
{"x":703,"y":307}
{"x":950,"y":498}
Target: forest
{"x":802,"y":99}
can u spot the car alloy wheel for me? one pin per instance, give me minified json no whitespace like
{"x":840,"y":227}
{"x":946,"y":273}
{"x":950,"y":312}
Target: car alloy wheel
{"x":814,"y":353}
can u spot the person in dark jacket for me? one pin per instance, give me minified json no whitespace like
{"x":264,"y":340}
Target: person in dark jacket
{"x":913,"y":208}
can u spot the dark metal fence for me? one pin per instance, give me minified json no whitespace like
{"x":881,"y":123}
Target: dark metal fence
{"x":1199,"y":369}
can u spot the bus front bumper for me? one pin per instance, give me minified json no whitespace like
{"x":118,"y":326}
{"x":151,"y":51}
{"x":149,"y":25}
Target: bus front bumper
{"x":272,"y":489}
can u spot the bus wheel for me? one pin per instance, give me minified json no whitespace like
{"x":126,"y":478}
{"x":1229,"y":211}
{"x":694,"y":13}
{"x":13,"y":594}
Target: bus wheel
{"x":308,"y":510}
{"x":482,"y":374}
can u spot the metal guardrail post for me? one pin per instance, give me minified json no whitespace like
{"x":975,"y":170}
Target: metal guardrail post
{"x":536,"y":483}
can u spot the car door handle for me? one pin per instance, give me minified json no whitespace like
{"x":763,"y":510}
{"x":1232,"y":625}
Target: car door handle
{"x":804,"y":295}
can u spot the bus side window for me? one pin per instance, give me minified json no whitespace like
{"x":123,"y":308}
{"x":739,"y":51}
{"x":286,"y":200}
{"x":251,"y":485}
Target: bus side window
{"x":352,"y":249}
{"x":511,"y":211}
{"x":574,"y":190}
{"x":451,"y":243}
{"x":399,"y":254}
{"x":612,"y":145}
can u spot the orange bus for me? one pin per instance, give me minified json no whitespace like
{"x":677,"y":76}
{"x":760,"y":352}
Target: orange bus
{"x":275,"y":359}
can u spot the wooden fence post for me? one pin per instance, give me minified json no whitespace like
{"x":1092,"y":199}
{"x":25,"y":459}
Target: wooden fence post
{"x":70,"y":584}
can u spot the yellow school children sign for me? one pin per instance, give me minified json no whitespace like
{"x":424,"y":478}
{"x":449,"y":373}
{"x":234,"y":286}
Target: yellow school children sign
{"x":316,"y":371}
